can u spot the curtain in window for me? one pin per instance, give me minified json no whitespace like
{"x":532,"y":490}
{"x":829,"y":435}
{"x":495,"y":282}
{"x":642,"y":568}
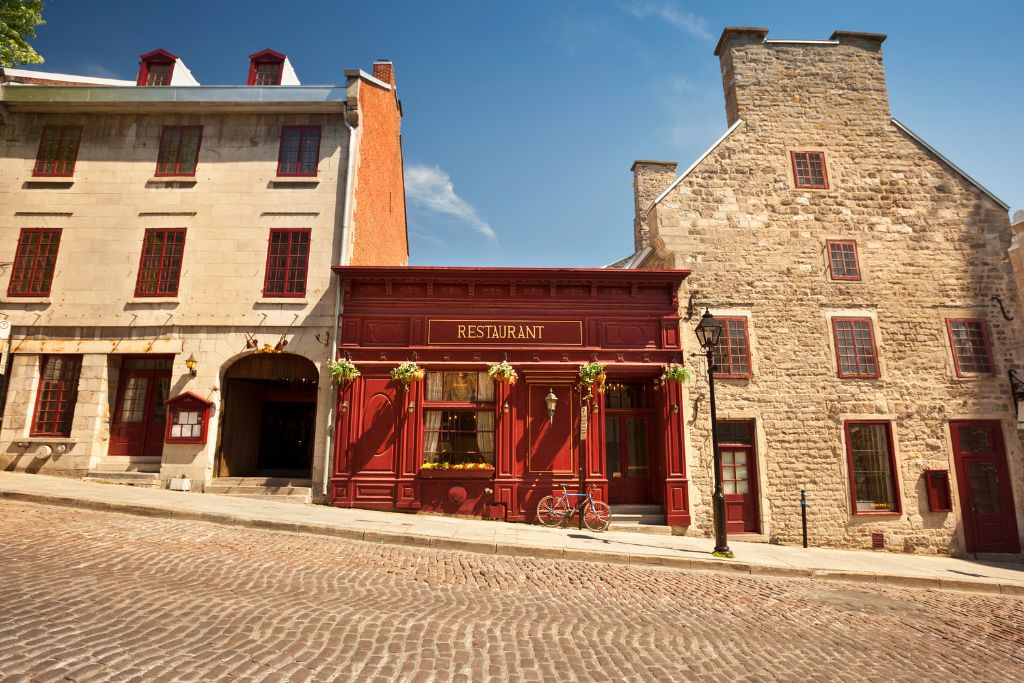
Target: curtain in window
{"x":434,"y":386}
{"x":485,"y":387}
{"x":431,"y":435}
{"x":485,"y":435}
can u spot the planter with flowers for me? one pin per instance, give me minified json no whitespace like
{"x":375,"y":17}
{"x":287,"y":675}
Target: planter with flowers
{"x":503,"y":373}
{"x":674,"y":372}
{"x":592,"y":379}
{"x":407,"y":373}
{"x":463,"y":470}
{"x":343,"y":371}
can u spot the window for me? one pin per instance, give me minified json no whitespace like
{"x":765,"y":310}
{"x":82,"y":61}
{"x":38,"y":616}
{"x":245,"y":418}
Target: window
{"x":732,"y":353}
{"x":842,"y":260}
{"x":855,"y":348}
{"x":458,"y":418}
{"x":972,"y":353}
{"x":736,"y":444}
{"x":179,"y":150}
{"x":809,"y":170}
{"x":34,"y":262}
{"x":300,"y":151}
{"x":58,"y":151}
{"x":287,"y":260}
{"x":266,"y":73}
{"x":870,"y":455}
{"x":160,"y":266}
{"x":157,"y":73}
{"x":55,"y":400}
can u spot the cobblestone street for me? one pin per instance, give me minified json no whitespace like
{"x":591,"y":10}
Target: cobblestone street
{"x":88,"y":595}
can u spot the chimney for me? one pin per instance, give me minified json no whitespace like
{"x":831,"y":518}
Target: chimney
{"x":384,"y":70}
{"x":650,"y":179}
{"x":827,"y":81}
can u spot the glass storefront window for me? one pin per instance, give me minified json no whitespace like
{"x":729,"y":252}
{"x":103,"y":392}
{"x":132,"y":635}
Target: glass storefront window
{"x":458,"y":418}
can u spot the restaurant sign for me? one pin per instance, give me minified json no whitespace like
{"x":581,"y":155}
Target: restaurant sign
{"x":505,"y":332}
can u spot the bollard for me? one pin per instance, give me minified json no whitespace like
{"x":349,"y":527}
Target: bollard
{"x":803,"y":512}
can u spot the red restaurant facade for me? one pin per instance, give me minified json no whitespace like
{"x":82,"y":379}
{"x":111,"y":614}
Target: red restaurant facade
{"x":458,"y":442}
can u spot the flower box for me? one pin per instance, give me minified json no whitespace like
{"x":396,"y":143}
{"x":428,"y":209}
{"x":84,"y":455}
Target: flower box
{"x":457,"y":474}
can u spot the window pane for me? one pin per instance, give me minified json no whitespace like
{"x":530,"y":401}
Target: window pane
{"x":624,"y":395}
{"x":738,"y":431}
{"x":843,"y":260}
{"x":458,"y":436}
{"x":855,"y":348}
{"x":809,"y":169}
{"x":970,"y":346}
{"x":34,"y":262}
{"x":976,"y":439}
{"x":57,"y":393}
{"x":288,"y":254}
{"x":466,"y":386}
{"x":732,"y":353}
{"x":871,"y":465}
{"x":984,"y":487}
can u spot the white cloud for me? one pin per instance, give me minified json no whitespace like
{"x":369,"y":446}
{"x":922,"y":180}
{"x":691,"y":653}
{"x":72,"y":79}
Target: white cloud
{"x":668,"y":12}
{"x":431,"y":188}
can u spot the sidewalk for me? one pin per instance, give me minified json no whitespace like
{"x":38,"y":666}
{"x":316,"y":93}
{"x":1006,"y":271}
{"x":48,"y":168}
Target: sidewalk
{"x":499,"y":538}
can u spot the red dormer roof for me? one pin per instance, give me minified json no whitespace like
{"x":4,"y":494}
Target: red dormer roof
{"x":267,"y":55}
{"x":146,"y":61}
{"x":266,"y":76}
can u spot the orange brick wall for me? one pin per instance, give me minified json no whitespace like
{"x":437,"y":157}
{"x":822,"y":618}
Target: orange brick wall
{"x":380,"y":230}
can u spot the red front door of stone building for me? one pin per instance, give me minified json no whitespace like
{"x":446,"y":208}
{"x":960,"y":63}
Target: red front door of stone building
{"x":739,"y":476}
{"x":986,"y":496}
{"x":140,"y":412}
{"x":629,"y":444}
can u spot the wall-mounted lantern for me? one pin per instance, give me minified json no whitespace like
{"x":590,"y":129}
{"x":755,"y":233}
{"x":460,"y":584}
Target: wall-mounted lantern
{"x":343,"y":408}
{"x":412,"y":406}
{"x":551,"y":400}
{"x":191,"y":363}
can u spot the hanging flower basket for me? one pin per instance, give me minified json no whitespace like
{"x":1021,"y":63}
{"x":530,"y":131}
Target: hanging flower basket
{"x":592,"y":377}
{"x":674,"y":372}
{"x":503,"y":372}
{"x":344,"y":371}
{"x":407,"y":373}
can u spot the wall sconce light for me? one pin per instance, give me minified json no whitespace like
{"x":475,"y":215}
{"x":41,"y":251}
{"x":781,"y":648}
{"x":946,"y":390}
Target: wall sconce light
{"x":504,"y":407}
{"x":343,"y":408}
{"x":551,"y":400}
{"x":412,"y":406}
{"x":675,"y":408}
{"x":191,"y":363}
{"x":595,"y":405}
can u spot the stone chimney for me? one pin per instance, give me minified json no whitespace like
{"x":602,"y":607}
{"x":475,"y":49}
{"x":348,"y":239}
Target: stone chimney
{"x":650,"y":179}
{"x":814,"y":80}
{"x":384,"y":70}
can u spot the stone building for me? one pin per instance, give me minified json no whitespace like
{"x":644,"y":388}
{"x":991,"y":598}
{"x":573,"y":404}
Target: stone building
{"x":166,"y":247}
{"x":864,"y":285}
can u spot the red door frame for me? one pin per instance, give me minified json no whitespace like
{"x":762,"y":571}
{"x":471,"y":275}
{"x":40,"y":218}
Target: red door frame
{"x":743,"y":510}
{"x":625,"y":489}
{"x":1006,"y":522}
{"x":149,"y":434}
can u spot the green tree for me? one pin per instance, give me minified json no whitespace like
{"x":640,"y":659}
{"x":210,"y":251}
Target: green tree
{"x":18,"y":21}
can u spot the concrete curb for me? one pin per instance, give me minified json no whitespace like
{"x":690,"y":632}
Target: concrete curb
{"x":519,"y":550}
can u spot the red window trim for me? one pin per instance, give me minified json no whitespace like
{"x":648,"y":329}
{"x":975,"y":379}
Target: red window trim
{"x":280,"y":152}
{"x":746,"y":338}
{"x":64,"y":395}
{"x":42,"y":136}
{"x":17,"y":253}
{"x":856,"y":261}
{"x":142,"y":261}
{"x":796,"y":178}
{"x":177,"y":158}
{"x":305,"y":273}
{"x":190,"y":400}
{"x":279,"y":63}
{"x":897,"y":499}
{"x":155,"y":57}
{"x":874,"y":348}
{"x":988,"y":347}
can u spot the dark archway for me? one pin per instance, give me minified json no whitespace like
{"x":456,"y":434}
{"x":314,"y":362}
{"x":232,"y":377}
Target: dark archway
{"x":269,"y":417}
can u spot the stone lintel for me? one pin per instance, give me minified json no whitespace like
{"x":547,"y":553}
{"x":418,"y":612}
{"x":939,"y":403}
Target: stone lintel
{"x":669,"y":165}
{"x":730,"y":31}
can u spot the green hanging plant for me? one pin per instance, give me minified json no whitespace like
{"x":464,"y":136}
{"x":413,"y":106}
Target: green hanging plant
{"x":503,"y":372}
{"x":407,"y":373}
{"x":343,"y":371}
{"x":674,"y":372}
{"x":592,"y":377}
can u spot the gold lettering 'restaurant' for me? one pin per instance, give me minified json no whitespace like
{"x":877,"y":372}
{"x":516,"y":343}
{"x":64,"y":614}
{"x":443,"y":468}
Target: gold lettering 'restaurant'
{"x":499,"y":332}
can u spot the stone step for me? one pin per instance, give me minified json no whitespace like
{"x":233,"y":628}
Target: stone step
{"x":142,"y":479}
{"x":279,"y":490}
{"x":293,"y":499}
{"x":637,"y":515}
{"x":638,"y":528}
{"x":276,"y":482}
{"x":260,"y":490}
{"x":147,"y":465}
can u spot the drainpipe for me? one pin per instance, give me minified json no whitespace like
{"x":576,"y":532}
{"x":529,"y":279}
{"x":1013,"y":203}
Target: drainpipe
{"x":343,"y":257}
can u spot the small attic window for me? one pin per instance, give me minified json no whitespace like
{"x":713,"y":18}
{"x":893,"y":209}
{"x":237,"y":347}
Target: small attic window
{"x":265,"y":68}
{"x":809,"y":170}
{"x":156,"y":68}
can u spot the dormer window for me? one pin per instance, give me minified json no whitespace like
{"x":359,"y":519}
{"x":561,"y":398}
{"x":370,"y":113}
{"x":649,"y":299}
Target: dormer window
{"x":266,"y":68}
{"x":156,"y":68}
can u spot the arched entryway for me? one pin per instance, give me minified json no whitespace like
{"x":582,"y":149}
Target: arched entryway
{"x":269,"y":417}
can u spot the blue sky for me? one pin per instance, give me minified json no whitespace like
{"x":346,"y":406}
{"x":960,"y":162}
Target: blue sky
{"x":523,"y":118}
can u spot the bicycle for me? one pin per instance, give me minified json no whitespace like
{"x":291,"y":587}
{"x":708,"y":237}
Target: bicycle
{"x":553,"y":511}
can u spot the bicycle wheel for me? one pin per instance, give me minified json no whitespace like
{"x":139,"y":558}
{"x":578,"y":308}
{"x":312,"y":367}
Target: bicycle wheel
{"x":552,"y":511}
{"x":597,"y":516}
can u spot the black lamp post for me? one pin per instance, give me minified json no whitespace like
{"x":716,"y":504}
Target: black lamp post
{"x":708,"y":332}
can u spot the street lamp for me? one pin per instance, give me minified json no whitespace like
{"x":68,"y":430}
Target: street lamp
{"x":708,"y":332}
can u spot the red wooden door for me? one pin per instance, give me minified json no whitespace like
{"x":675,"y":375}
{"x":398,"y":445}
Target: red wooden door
{"x":986,"y":497}
{"x":739,"y":476}
{"x":140,"y":412}
{"x":631,"y":469}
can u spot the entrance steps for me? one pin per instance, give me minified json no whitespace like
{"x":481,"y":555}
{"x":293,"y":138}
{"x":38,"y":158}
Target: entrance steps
{"x":148,"y":480}
{"x":644,"y":519}
{"x":278,"y":489}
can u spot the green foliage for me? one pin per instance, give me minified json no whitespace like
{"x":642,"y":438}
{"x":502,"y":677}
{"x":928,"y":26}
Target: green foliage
{"x":503,"y":372}
{"x":674,"y":372}
{"x":407,"y":373}
{"x":592,"y":377}
{"x":18,"y":19}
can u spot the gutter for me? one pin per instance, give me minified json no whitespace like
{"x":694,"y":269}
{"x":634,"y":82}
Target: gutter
{"x":343,"y":257}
